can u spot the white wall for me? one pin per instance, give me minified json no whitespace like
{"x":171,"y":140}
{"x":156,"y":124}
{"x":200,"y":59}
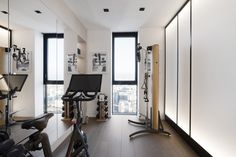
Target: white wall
{"x":70,"y":46}
{"x":100,"y":40}
{"x":59,"y":8}
{"x":38,"y":74}
{"x":178,"y":69}
{"x":213,"y":84}
{"x":71,"y":43}
{"x":82,"y":57}
{"x":184,"y":69}
{"x":29,"y":102}
{"x":213,"y":75}
{"x":171,"y":71}
{"x":97,"y":41}
{"x":24,"y":103}
{"x":148,"y":37}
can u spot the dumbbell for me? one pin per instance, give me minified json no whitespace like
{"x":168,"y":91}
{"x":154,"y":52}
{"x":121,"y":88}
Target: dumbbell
{"x":106,"y":108}
{"x":105,"y":103}
{"x":106,"y":115}
{"x":71,"y":114}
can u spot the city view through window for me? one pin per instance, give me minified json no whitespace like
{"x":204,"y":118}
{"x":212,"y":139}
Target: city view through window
{"x":54,"y":102}
{"x":124,"y":99}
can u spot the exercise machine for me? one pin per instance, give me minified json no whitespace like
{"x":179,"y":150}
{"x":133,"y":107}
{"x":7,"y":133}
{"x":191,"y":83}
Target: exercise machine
{"x":9,"y":85}
{"x":82,"y":87}
{"x":154,"y":123}
{"x":36,"y":141}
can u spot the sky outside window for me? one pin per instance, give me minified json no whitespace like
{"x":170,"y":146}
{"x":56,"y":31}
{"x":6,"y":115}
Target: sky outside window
{"x":124,"y":59}
{"x":55,"y":59}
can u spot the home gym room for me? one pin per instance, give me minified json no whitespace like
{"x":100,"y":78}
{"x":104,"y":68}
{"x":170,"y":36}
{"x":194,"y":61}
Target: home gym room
{"x":117,"y":78}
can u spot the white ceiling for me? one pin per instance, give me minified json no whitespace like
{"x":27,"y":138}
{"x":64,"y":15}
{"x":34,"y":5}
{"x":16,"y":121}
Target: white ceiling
{"x":22,"y":15}
{"x":124,"y":15}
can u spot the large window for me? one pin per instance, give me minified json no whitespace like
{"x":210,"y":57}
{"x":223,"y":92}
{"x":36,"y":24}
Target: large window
{"x":5,"y":34}
{"x":124,"y":75}
{"x":53,"y":71}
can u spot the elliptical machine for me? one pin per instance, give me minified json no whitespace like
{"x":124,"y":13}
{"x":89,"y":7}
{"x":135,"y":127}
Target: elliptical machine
{"x":82,"y":87}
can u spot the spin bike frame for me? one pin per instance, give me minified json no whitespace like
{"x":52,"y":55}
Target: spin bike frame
{"x":77,"y":134}
{"x":82,"y":87}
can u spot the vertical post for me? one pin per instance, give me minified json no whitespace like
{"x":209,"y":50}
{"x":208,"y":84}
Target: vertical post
{"x":155,"y":85}
{"x":3,"y":70}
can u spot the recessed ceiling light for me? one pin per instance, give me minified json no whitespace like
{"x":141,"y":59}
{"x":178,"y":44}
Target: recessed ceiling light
{"x":106,"y":10}
{"x":141,"y":9}
{"x":38,"y":11}
{"x":4,"y":12}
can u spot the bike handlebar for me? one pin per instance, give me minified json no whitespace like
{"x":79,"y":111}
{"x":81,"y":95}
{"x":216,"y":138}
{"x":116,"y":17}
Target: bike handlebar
{"x":83,"y":96}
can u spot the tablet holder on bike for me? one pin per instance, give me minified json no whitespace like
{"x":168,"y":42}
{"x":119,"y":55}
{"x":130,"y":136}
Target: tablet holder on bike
{"x":87,"y":85}
{"x":9,"y":85}
{"x":82,"y":87}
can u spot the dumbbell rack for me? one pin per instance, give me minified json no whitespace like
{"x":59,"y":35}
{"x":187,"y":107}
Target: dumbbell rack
{"x":102,"y":108}
{"x":67,"y":108}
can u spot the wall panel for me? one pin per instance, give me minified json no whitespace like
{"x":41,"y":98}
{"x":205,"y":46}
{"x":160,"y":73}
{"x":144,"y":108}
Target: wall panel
{"x":184,"y":68}
{"x":171,"y":70}
{"x":214,"y":76}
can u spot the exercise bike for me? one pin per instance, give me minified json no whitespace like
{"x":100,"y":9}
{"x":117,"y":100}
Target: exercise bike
{"x":82,"y":87}
{"x":36,"y":141}
{"x":9,"y":85}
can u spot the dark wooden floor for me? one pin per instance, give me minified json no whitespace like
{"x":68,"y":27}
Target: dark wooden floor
{"x":111,"y":139}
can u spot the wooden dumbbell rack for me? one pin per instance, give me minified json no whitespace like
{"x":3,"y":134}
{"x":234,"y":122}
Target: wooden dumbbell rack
{"x":102,"y":108}
{"x":67,"y":111}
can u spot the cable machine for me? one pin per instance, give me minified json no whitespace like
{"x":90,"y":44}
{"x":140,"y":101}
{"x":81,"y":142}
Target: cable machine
{"x":152,"y":122}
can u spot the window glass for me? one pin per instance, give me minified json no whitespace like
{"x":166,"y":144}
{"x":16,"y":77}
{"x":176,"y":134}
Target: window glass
{"x":124,"y":59}
{"x":55,"y":61}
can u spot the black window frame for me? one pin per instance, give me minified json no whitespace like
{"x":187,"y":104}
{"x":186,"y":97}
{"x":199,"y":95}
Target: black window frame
{"x":47,"y":36}
{"x":123,"y":35}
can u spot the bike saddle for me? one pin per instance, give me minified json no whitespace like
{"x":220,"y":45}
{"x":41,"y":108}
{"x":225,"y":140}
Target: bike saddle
{"x":38,"y":123}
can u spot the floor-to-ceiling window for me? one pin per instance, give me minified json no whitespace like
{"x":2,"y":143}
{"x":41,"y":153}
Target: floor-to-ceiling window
{"x":53,"y":71}
{"x":124,"y":73}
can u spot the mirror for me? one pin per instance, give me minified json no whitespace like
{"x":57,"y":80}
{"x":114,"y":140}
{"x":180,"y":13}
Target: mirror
{"x":29,"y":22}
{"x":4,"y":44}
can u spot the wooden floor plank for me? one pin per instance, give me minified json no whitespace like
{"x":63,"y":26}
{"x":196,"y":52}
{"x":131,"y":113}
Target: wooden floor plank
{"x":111,"y":139}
